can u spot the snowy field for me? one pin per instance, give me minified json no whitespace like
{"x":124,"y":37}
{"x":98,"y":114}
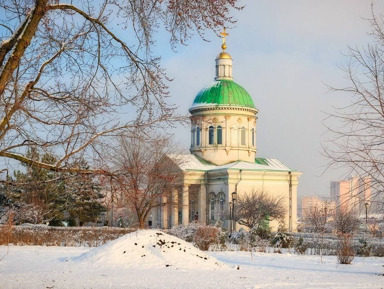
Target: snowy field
{"x":150,"y":259}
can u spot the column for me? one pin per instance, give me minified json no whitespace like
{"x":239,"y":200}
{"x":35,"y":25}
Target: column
{"x":185,"y":205}
{"x":175,"y":207}
{"x":202,"y":134}
{"x":155,"y":220}
{"x":202,"y":204}
{"x":164,"y":215}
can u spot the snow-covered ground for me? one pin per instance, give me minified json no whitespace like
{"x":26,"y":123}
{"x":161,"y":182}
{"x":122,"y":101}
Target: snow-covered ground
{"x":151,"y":259}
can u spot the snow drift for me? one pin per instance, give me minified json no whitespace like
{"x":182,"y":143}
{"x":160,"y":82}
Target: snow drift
{"x":150,"y":249}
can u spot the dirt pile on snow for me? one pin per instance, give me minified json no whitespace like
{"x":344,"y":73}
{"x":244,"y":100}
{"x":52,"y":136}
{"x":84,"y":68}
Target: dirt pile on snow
{"x":150,"y":249}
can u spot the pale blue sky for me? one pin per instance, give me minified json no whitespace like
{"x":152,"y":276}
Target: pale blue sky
{"x":284,"y":52}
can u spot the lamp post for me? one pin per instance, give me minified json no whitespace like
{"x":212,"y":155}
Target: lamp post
{"x":366,"y":216}
{"x":325,"y":217}
{"x":230,"y":218}
{"x":234,"y":198}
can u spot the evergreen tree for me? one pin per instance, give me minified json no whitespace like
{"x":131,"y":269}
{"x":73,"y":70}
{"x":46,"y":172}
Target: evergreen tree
{"x":84,"y":196}
{"x":41,"y":196}
{"x":35,"y":193}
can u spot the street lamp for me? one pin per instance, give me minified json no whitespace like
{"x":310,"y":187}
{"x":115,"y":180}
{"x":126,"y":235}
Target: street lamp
{"x":230,"y":217}
{"x":234,"y":198}
{"x":366,"y":216}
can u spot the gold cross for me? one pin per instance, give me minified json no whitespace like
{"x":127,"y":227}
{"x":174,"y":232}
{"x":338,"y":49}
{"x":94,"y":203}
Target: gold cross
{"x":224,"y":34}
{"x":224,"y":46}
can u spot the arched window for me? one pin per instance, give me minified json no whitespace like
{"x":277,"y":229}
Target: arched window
{"x":219,"y":135}
{"x":253,"y":137}
{"x":197,"y":136}
{"x":243,"y":136}
{"x":210,"y":135}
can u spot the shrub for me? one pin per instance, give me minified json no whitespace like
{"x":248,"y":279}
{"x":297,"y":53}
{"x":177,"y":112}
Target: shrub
{"x":300,"y":246}
{"x":187,"y":232}
{"x":223,"y":238}
{"x":238,"y":237}
{"x":363,"y":249}
{"x":263,"y":232}
{"x":6,"y":231}
{"x":345,"y":252}
{"x":205,"y":236}
{"x":377,"y":250}
{"x":282,"y":240}
{"x":253,"y":237}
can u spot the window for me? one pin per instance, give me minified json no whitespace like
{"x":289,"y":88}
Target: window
{"x":210,"y":135}
{"x":219,"y":135}
{"x":243,"y":136}
{"x":253,"y":137}
{"x":193,"y":138}
{"x":198,"y":136}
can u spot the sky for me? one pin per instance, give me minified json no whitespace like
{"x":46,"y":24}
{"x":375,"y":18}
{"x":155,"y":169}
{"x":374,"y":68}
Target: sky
{"x":285,"y":54}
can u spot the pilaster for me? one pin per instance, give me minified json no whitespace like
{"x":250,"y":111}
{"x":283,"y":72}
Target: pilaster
{"x":175,"y":207}
{"x":202,"y":204}
{"x":164,"y":215}
{"x":185,"y":209}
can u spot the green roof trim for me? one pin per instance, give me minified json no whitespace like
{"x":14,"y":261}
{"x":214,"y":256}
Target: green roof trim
{"x":225,"y":93}
{"x":261,"y":161}
{"x":204,"y":162}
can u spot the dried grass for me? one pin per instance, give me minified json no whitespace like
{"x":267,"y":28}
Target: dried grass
{"x":39,"y":235}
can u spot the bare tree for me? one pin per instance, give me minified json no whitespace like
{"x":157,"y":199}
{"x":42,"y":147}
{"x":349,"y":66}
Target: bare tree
{"x":73,"y":76}
{"x":252,"y":210}
{"x":144,"y":173}
{"x":357,"y":141}
{"x":345,"y":251}
{"x":316,"y":220}
{"x":346,"y":222}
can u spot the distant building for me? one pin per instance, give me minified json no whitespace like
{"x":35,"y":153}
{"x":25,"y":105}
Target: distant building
{"x":309,"y":204}
{"x":352,"y":194}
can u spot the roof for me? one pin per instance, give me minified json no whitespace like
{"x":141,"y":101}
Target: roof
{"x":223,"y":93}
{"x":191,"y":162}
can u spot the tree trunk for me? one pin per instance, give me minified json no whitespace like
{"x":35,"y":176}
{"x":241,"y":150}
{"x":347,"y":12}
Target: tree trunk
{"x":141,"y":223}
{"x":22,"y":43}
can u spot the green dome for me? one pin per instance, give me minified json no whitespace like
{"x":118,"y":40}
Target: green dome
{"x":223,"y":93}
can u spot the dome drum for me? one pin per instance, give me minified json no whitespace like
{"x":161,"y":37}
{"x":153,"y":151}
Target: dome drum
{"x":223,"y":119}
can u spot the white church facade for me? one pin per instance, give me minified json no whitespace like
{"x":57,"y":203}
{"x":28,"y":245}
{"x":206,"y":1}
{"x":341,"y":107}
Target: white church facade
{"x":223,"y":163}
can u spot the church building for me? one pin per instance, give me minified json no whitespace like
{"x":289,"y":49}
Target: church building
{"x":223,"y":163}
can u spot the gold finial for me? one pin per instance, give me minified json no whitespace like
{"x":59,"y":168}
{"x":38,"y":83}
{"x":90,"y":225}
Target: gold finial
{"x":224,"y":46}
